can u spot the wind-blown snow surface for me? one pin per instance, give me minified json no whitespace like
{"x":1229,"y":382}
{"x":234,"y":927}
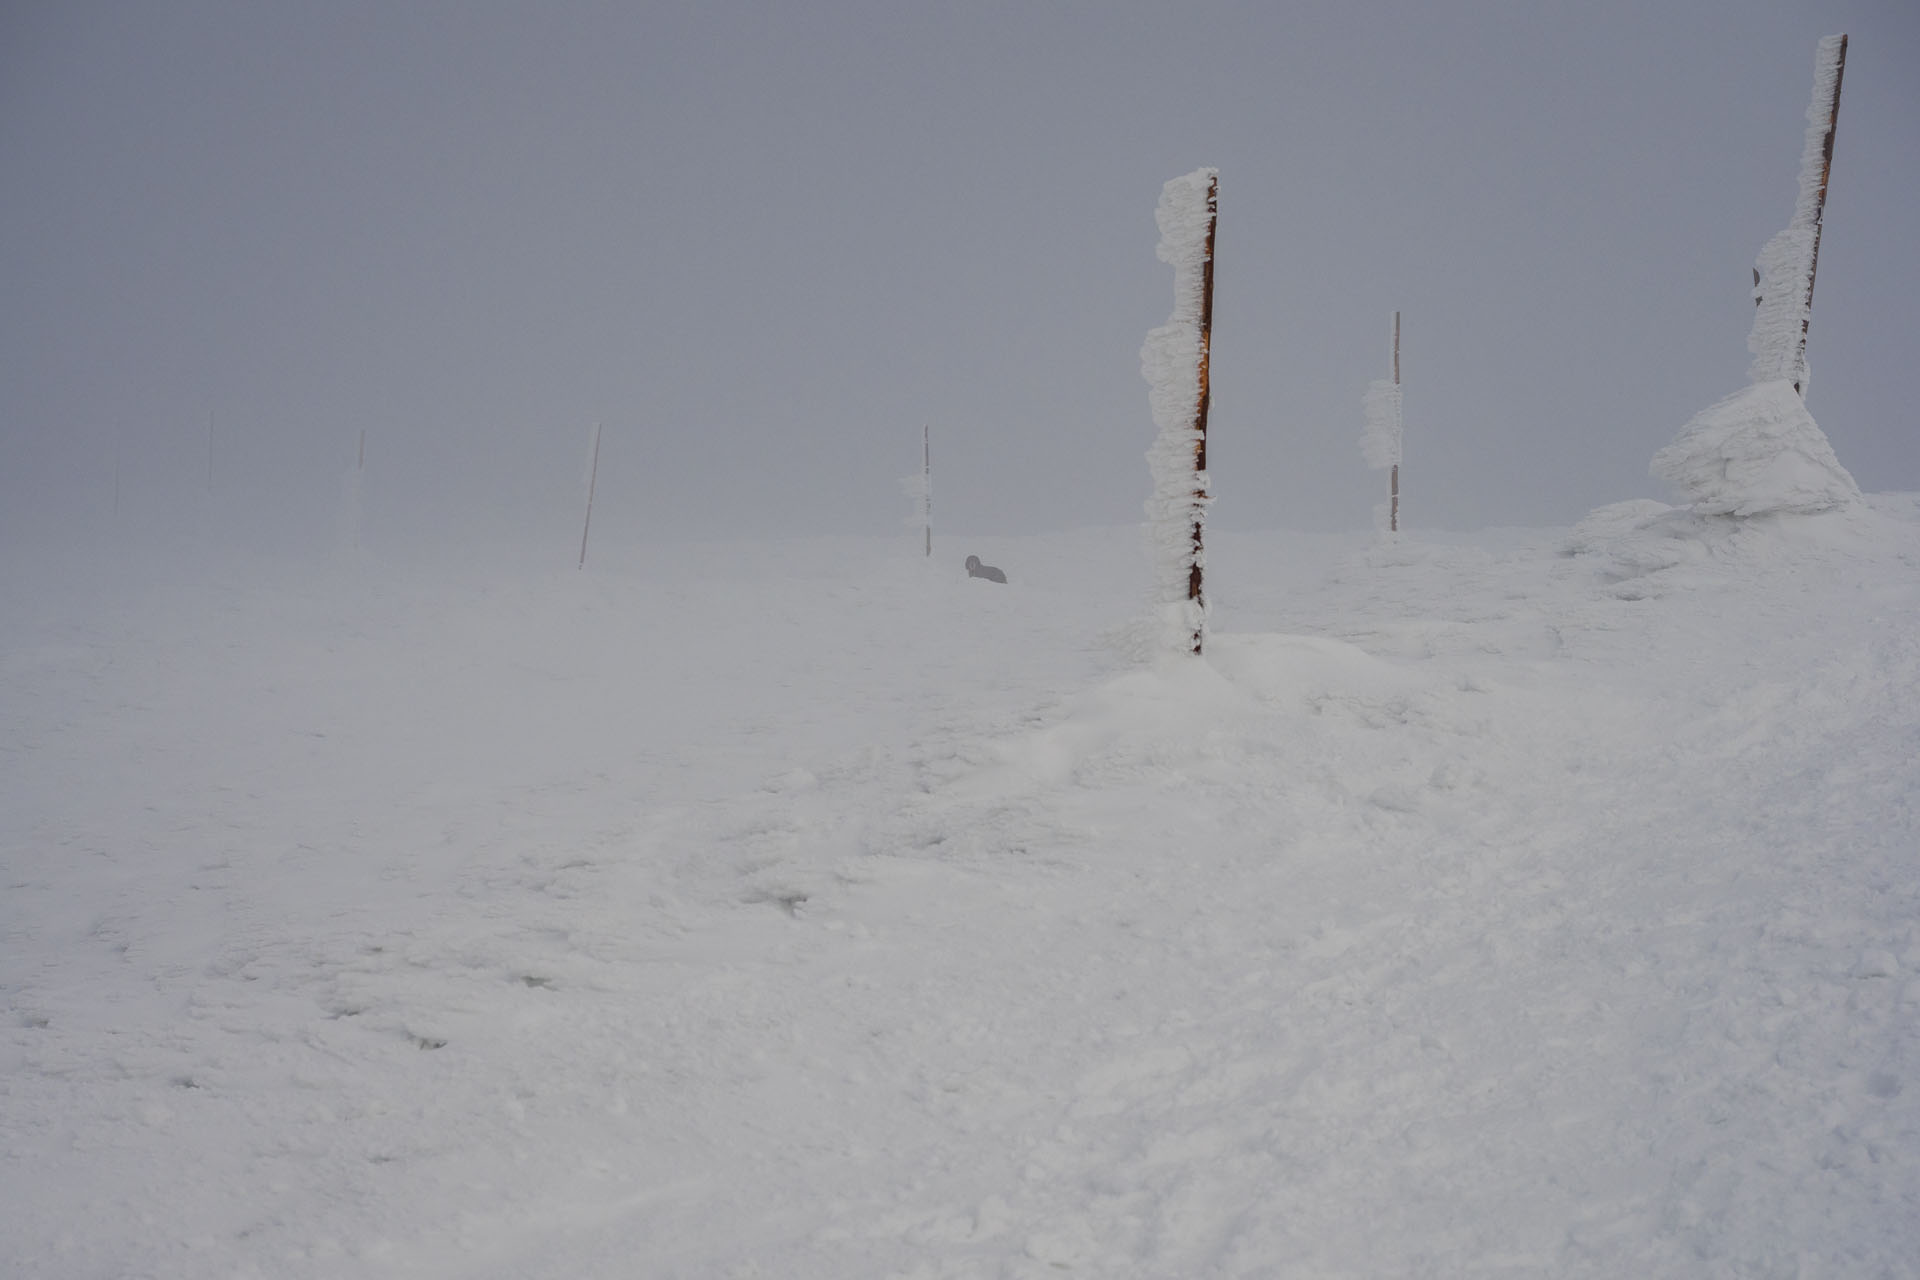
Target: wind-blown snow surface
{"x":1524,"y":904}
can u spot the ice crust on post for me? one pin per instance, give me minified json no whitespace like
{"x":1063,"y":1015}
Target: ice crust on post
{"x":1785,"y":265}
{"x":1759,"y":451}
{"x":1170,"y":362}
{"x":1756,"y":452}
{"x":1380,"y":438}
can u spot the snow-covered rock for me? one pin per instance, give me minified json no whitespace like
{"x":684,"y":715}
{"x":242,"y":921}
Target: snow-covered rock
{"x":1755,"y":452}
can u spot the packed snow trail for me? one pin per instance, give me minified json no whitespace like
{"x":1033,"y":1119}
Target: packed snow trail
{"x":1534,"y":903}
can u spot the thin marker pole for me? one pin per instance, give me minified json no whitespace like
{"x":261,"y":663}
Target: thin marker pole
{"x":362,"y":464}
{"x":1393,"y":510}
{"x":1195,"y":587}
{"x":209,"y":453}
{"x":1820,"y":204}
{"x":926,"y":479}
{"x":593,"y":476}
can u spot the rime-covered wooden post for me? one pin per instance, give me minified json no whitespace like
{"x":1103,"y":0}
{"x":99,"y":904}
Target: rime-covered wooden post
{"x":1174,"y":362}
{"x":1380,"y":440}
{"x":1783,"y":275}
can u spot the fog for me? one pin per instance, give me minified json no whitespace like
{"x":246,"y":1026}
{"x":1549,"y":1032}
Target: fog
{"x":763,"y":245}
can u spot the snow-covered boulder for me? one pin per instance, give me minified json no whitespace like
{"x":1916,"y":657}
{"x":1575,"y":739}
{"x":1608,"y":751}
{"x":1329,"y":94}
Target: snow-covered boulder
{"x":1755,"y":452}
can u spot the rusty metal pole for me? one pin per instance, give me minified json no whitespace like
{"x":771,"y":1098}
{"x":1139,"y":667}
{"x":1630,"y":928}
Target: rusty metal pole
{"x":1820,"y":204}
{"x":1393,"y":510}
{"x":1195,"y":587}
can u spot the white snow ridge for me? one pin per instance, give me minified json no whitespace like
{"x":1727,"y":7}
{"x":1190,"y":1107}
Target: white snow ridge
{"x":1756,"y":452}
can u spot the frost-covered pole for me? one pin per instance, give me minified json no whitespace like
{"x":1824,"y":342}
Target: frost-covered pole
{"x":1174,"y":362}
{"x":1202,"y":400}
{"x":1393,"y":484}
{"x":926,"y":478}
{"x":593,"y":478}
{"x":1783,"y":276}
{"x":1380,"y":437}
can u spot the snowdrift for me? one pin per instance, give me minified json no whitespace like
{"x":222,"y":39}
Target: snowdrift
{"x":794,"y":910}
{"x":1756,"y":452}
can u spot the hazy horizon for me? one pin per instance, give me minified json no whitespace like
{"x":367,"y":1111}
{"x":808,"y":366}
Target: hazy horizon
{"x":763,"y":246}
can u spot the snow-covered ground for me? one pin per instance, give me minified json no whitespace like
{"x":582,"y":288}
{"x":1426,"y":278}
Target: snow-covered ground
{"x":1518,"y":904}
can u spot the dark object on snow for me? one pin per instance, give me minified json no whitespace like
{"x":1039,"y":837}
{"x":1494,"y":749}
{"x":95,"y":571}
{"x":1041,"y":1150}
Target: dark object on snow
{"x":977,"y":570}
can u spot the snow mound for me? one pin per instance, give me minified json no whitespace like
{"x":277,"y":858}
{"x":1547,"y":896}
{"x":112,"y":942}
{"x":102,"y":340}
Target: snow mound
{"x":1756,"y":452}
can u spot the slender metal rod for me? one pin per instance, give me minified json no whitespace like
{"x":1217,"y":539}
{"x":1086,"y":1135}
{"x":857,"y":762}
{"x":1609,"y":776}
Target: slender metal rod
{"x":1393,"y":507}
{"x":926,"y":480}
{"x":593,"y":477}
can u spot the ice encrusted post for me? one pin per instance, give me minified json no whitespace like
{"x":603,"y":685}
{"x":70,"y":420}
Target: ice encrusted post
{"x":1174,"y":363}
{"x":1783,"y":274}
{"x":1759,"y":452}
{"x":1380,"y":440}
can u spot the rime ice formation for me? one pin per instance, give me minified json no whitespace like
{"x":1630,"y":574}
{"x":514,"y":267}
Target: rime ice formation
{"x":1381,"y":436}
{"x":1781,"y":309}
{"x":1170,"y":362}
{"x":1784,"y":268}
{"x":1755,"y":452}
{"x":1759,"y":450}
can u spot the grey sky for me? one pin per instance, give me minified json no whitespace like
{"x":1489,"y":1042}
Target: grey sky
{"x":764,"y":243}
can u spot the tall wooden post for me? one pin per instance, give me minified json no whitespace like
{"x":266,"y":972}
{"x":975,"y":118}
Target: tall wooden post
{"x":593,"y":478}
{"x":926,"y":481}
{"x":1393,"y":508}
{"x":1195,"y":586}
{"x":1820,"y":203}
